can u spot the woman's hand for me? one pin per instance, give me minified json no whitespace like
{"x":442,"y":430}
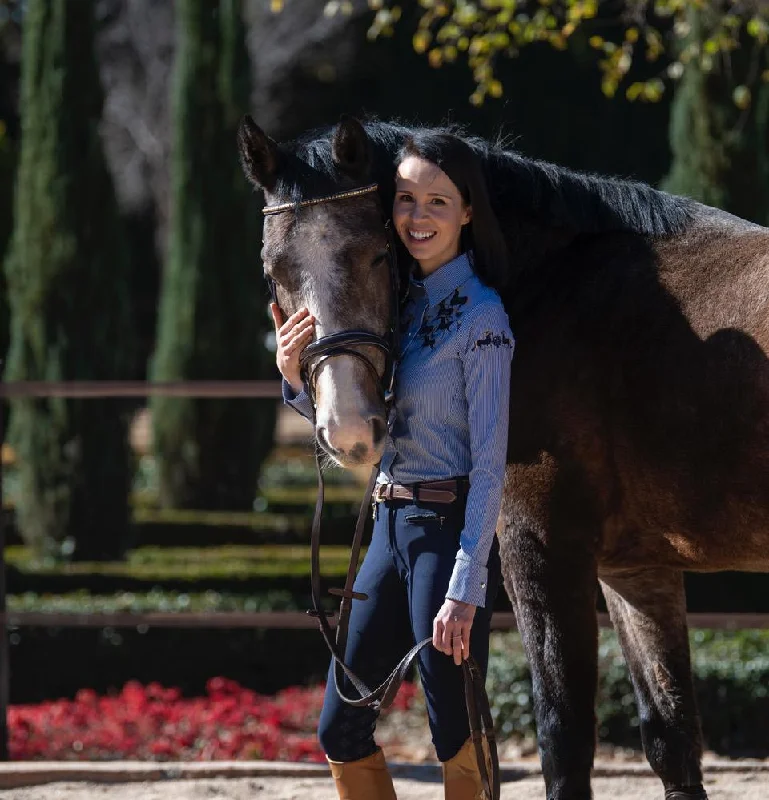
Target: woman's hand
{"x":292,"y":336}
{"x":451,"y":629}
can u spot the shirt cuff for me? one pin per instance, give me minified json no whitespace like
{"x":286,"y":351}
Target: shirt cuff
{"x":297,"y":400}
{"x":468,"y":582}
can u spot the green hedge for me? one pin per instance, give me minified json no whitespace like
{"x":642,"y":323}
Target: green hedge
{"x":731,"y":670}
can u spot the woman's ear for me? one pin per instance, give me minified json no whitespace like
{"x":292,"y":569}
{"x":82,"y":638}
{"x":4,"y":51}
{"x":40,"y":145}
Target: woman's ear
{"x":467,"y":214}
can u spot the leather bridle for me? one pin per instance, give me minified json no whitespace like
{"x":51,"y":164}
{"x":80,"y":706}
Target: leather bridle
{"x":343,"y":343}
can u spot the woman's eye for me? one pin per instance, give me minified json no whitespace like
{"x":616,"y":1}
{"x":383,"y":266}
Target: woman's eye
{"x":405,"y":198}
{"x":439,"y":201}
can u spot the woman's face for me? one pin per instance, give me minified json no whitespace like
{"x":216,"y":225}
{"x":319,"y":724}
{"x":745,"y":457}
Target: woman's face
{"x":428,"y":212}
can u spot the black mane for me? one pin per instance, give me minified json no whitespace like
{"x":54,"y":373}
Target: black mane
{"x":552,"y":195}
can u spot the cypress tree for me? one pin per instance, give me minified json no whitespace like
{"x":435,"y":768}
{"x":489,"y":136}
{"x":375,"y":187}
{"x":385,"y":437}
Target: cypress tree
{"x":212,"y":307}
{"x":719,"y":150}
{"x":68,"y":291}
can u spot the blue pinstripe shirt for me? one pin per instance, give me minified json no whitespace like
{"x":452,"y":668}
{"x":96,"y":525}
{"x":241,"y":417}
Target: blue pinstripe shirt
{"x":451,"y":409}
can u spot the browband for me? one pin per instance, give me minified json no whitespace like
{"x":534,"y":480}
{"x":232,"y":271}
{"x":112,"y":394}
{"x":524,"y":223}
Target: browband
{"x":267,"y":210}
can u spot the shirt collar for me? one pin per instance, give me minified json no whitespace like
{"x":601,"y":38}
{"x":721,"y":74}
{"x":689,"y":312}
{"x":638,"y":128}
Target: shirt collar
{"x":441,"y":283}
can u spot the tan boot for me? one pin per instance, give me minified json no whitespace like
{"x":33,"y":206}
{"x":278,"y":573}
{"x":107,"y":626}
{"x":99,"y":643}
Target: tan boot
{"x":461,"y":777}
{"x":364,"y":779}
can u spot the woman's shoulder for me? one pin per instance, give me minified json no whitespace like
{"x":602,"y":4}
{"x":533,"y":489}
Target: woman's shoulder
{"x":485,"y":304}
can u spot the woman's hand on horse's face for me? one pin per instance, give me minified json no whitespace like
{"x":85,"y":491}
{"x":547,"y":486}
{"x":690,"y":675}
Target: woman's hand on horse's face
{"x":451,"y":629}
{"x":292,"y":336}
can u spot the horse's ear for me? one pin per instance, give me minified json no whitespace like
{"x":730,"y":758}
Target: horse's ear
{"x":259,"y":155}
{"x":350,"y":147}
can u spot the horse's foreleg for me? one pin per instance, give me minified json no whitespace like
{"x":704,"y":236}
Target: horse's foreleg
{"x":553,"y":595}
{"x":648,"y":610}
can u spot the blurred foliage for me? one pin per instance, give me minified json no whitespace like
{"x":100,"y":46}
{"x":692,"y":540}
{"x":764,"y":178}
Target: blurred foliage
{"x":189,"y":563}
{"x":482,"y":31}
{"x":731,"y":672}
{"x":157,"y":600}
{"x":718,"y":137}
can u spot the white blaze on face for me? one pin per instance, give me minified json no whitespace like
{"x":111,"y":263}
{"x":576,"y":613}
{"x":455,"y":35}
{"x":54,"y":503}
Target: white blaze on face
{"x":345,"y":396}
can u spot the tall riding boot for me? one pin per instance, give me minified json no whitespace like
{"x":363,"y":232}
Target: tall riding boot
{"x":461,"y":776}
{"x":364,"y":779}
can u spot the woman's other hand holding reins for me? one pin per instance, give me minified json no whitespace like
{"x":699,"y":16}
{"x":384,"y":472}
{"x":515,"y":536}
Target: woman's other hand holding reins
{"x":292,"y":336}
{"x":451,"y":629}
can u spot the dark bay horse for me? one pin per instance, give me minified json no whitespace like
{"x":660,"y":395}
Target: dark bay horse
{"x":639,"y":415}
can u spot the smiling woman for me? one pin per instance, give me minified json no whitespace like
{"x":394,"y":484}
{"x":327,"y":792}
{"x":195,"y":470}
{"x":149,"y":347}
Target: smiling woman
{"x":432,"y":569}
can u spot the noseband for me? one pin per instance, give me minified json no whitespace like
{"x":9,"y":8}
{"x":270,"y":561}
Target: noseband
{"x":343,"y":343}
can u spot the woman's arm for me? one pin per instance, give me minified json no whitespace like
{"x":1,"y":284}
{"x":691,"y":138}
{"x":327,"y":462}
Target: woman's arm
{"x":486,"y":363}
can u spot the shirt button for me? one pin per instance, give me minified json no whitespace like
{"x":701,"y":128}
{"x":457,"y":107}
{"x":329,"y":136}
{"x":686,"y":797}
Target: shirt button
{"x":483,"y":586}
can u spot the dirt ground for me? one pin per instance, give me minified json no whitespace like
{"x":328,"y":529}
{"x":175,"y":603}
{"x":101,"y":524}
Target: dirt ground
{"x":720,"y":787}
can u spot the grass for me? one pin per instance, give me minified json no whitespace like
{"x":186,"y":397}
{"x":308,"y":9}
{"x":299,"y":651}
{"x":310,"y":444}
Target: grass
{"x":191,"y":563}
{"x":153,"y":601}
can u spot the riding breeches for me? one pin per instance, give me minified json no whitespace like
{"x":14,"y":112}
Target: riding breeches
{"x":405,"y":574}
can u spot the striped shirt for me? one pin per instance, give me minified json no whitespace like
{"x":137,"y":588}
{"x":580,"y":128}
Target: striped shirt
{"x":451,"y":408}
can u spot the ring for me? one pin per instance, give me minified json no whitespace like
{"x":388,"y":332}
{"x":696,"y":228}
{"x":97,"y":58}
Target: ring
{"x":455,"y":618}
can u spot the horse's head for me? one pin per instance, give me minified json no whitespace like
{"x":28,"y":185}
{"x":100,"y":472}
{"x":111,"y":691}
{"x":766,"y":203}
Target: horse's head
{"x":332,"y":257}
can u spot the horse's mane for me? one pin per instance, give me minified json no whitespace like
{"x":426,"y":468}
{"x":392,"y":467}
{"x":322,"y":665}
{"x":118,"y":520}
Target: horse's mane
{"x":552,"y":195}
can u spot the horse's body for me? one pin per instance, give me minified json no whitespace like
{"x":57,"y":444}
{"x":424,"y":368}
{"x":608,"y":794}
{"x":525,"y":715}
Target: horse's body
{"x":639,"y":418}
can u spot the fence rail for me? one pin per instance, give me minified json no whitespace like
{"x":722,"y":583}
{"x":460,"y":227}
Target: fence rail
{"x":200,"y":389}
{"x":501,"y":620}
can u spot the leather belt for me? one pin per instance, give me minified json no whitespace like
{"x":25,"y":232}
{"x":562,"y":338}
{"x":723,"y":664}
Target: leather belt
{"x":444,"y":491}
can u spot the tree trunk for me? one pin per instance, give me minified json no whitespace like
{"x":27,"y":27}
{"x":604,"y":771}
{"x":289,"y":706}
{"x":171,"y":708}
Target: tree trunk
{"x":212,"y":309}
{"x":68,"y":293}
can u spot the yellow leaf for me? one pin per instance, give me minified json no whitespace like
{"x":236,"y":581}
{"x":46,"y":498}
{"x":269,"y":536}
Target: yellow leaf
{"x":742,"y":97}
{"x":495,"y":88}
{"x":435,"y":57}
{"x":596,"y":42}
{"x":421,"y":41}
{"x":276,"y":6}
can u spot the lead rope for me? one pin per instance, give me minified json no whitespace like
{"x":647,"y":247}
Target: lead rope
{"x":476,"y":700}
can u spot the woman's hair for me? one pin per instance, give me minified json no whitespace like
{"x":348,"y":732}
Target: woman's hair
{"x":482,"y":234}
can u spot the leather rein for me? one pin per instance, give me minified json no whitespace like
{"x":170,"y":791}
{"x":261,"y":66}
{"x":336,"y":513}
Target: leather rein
{"x":379,"y":698}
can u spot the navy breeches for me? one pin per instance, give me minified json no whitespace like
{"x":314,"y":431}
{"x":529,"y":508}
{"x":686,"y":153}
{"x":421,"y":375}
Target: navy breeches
{"x":405,"y":574}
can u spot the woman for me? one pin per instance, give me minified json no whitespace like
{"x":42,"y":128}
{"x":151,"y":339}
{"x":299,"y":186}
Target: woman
{"x":432,"y":568}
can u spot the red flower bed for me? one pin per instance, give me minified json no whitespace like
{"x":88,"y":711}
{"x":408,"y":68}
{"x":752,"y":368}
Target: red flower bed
{"x":155,"y":723}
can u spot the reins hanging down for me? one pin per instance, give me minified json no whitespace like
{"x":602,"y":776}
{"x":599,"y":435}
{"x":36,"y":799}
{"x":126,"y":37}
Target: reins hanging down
{"x":343,"y":343}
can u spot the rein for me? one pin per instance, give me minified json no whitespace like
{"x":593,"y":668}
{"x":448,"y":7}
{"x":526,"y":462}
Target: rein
{"x":336,"y":344}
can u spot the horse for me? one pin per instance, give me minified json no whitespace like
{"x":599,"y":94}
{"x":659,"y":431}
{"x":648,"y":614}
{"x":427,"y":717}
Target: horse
{"x":639,"y":412}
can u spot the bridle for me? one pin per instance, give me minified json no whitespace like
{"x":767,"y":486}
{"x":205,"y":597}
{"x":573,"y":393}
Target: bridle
{"x":343,"y":343}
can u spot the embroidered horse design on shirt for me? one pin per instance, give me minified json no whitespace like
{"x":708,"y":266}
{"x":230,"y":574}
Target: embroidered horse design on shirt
{"x":446,"y":318}
{"x":492,"y":340}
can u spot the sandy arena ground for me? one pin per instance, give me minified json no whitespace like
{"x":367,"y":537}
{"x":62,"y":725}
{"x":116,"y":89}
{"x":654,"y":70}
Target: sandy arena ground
{"x":720,"y":785}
